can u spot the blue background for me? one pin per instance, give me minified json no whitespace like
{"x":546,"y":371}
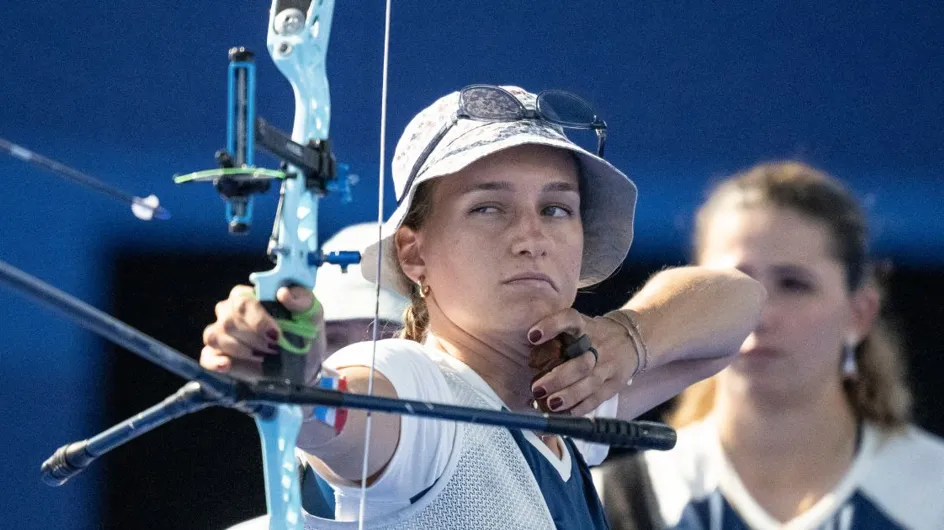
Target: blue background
{"x":135,"y":92}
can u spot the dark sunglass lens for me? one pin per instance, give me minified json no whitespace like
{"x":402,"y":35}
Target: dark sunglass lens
{"x":490,"y":103}
{"x":565,"y":108}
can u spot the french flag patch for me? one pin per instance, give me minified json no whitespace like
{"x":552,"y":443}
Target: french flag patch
{"x":330,"y":415}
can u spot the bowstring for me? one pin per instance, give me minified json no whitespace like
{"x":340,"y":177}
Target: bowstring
{"x":380,"y":214}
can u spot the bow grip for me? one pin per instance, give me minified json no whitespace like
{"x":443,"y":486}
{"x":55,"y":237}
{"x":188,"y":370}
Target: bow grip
{"x":298,"y":334}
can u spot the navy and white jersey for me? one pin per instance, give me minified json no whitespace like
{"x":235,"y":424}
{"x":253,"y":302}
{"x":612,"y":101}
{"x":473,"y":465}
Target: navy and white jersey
{"x":447,"y":475}
{"x":896,"y":480}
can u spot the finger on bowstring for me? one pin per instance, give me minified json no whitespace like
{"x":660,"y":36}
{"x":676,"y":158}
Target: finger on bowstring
{"x":565,"y":321}
{"x":574,"y":394}
{"x":564,"y":375}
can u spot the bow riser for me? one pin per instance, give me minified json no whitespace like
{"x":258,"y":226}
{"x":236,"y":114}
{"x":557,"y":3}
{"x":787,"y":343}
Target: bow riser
{"x":298,"y":42}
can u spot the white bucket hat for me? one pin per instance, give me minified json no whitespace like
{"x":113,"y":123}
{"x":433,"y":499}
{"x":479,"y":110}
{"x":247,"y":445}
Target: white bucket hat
{"x":346,"y":295}
{"x":608,"y":197}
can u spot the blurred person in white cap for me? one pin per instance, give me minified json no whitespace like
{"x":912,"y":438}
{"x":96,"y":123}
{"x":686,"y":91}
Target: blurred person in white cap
{"x":500,"y":219}
{"x":348,"y":298}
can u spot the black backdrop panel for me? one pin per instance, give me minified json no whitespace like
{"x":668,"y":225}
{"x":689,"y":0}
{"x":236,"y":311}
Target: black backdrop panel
{"x":204,"y":471}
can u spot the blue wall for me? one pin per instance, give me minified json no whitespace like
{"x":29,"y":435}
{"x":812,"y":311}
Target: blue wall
{"x":135,"y":92}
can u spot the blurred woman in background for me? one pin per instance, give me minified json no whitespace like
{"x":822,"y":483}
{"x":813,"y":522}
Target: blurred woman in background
{"x":808,"y":428}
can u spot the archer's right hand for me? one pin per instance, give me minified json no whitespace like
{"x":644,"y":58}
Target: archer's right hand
{"x":244,"y":333}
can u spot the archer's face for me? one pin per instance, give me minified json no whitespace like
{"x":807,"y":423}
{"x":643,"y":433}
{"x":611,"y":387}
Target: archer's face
{"x":503,"y":245}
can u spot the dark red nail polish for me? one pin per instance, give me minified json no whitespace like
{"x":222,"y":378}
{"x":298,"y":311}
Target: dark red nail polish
{"x":555,"y":403}
{"x":539,"y":392}
{"x":535,"y":335}
{"x":273,"y":335}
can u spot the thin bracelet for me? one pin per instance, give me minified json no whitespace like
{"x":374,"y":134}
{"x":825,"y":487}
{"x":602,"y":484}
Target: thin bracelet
{"x":629,"y":324}
{"x":626,"y":318}
{"x":632,"y":318}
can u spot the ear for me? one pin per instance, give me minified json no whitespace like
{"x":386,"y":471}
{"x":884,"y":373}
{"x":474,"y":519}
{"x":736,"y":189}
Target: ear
{"x":865,"y":305}
{"x":409,"y":243}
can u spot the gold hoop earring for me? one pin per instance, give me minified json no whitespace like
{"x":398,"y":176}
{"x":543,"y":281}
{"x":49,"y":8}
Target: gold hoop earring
{"x":424,"y":289}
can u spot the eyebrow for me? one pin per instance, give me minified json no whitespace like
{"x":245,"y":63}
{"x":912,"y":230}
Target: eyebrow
{"x":781,"y":268}
{"x":508,"y":186}
{"x":791,"y":269}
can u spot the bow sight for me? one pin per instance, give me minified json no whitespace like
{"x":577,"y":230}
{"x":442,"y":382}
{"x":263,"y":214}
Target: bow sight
{"x":237,"y":178}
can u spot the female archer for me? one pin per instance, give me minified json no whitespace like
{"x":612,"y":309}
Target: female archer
{"x":500,"y":220}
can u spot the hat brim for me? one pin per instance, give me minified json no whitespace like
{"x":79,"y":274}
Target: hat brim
{"x":608,"y":202}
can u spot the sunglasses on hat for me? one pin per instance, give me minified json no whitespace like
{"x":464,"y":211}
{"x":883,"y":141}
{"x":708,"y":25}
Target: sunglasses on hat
{"x":493,"y":103}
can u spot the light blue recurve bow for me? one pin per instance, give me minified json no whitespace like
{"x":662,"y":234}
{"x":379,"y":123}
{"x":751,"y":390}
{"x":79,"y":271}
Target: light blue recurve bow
{"x":298,"y":33}
{"x":298,"y":43}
